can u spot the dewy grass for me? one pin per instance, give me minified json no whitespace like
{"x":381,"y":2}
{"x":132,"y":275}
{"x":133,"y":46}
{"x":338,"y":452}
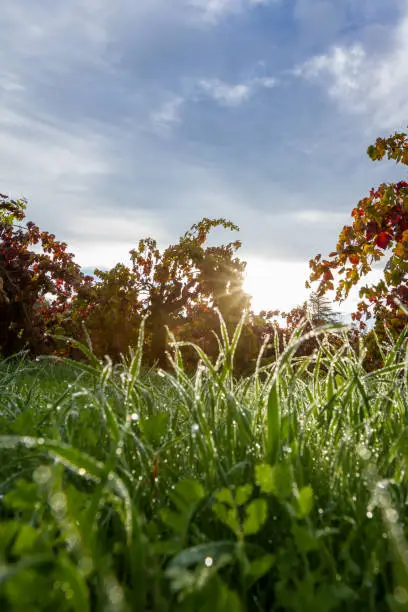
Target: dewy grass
{"x":129,"y":490}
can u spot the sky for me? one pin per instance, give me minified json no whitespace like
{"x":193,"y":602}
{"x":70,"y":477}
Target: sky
{"x":121,"y":120}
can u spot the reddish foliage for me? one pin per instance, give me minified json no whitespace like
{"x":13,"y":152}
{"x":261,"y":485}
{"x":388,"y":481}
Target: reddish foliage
{"x":380,"y":224}
{"x":36,"y":284}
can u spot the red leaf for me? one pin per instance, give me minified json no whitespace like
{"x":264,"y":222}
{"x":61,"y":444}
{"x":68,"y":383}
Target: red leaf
{"x":382,"y":240}
{"x":354,"y":259}
{"x":372,"y":229}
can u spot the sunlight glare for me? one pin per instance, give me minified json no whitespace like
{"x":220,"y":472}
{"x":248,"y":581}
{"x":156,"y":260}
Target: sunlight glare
{"x":275,"y":285}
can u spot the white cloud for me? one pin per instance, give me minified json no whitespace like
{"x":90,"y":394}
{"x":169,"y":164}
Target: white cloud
{"x":213,"y":10}
{"x":104,"y":240}
{"x":167,"y":115}
{"x":56,"y":167}
{"x":227,"y":94}
{"x":342,"y":66}
{"x":363,"y":81}
{"x":321,"y":217}
{"x":224,"y":93}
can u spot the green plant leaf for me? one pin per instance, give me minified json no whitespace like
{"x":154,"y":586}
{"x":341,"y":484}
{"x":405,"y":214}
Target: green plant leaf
{"x":225,"y":496}
{"x":305,"y":540}
{"x":256,"y":514}
{"x":242,"y":494}
{"x":273,"y":424}
{"x":305,"y":502}
{"x":187,"y":494}
{"x":70,"y":574}
{"x":174,"y":520}
{"x":198,"y":554}
{"x":258,"y":568}
{"x":228,"y":516}
{"x":264,"y":478}
{"x":154,"y":427}
{"x":275,"y":479}
{"x":25,"y":541}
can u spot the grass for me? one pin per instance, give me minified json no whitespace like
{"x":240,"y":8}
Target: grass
{"x":129,"y":490}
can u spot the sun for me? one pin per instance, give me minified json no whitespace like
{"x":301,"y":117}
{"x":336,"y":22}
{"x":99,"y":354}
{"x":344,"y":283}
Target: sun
{"x":275,"y":285}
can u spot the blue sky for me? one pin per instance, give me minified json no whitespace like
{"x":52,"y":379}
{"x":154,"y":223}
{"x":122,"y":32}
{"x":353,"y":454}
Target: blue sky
{"x":127,"y":119}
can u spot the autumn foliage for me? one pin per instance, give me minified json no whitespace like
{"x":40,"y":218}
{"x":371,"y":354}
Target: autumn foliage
{"x":379,"y":229}
{"x":38,"y":280}
{"x":179,"y":291}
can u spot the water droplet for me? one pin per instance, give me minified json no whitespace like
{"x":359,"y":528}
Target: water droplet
{"x":42,"y":474}
{"x":134,"y":416}
{"x":364,"y":453}
{"x":401,"y":595}
{"x":208,"y":561}
{"x":58,"y":502}
{"x":85,"y":565}
{"x":369,"y":515}
{"x":391,"y":515}
{"x":82,"y":471}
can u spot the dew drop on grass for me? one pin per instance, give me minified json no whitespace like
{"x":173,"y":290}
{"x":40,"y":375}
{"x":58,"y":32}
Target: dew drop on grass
{"x":82,"y":471}
{"x":391,"y":515}
{"x":42,"y":474}
{"x":369,"y":515}
{"x":364,"y":453}
{"x":115,"y":595}
{"x":134,"y":416}
{"x":85,"y":565}
{"x":401,"y":595}
{"x":208,"y":561}
{"x":58,"y":502}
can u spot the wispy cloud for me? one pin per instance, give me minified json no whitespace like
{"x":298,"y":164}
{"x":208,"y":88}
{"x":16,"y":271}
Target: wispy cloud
{"x":365,"y":81}
{"x":167,"y":115}
{"x":213,"y":10}
{"x":83,"y":98}
{"x":229,"y":94}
